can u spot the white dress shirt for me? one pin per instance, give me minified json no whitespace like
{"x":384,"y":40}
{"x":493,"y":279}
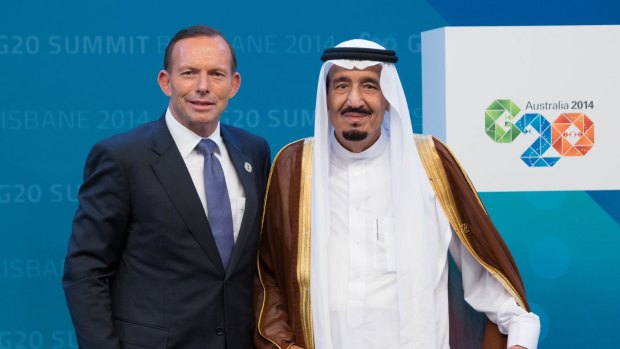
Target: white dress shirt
{"x":186,"y":141}
{"x":362,"y":282}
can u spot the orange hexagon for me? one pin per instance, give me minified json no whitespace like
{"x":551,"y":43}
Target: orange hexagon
{"x":572,"y":134}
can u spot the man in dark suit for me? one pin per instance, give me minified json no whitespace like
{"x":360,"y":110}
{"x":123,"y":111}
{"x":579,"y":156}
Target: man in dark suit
{"x":154,"y":259}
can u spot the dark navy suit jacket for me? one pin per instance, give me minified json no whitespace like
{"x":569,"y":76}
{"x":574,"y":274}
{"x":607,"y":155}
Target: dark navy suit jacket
{"x":142,"y":268}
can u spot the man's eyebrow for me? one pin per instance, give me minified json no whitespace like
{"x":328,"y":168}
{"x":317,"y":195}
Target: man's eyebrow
{"x":341,"y":79}
{"x":186,"y":66}
{"x":369,"y":79}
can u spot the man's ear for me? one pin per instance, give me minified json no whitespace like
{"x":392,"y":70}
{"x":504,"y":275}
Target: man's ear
{"x":236,"y":83}
{"x":163,"y":79}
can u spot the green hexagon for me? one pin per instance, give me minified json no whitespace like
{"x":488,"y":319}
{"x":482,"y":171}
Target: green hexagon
{"x":498,"y":121}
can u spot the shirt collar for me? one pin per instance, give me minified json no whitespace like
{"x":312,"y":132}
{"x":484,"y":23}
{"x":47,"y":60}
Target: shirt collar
{"x":372,"y":152}
{"x":186,"y":140}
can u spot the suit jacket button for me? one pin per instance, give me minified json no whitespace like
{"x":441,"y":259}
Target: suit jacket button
{"x":219,"y":331}
{"x":227,"y":282}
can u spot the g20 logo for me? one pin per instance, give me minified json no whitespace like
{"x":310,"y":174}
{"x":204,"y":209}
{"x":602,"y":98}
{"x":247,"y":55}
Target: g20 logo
{"x":570,"y":134}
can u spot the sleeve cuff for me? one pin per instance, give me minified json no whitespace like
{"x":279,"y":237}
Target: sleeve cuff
{"x":524,"y":331}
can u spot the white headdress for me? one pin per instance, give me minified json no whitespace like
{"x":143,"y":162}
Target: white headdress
{"x":421,"y":252}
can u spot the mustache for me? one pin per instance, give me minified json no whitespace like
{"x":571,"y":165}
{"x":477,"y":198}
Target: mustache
{"x":356,"y":110}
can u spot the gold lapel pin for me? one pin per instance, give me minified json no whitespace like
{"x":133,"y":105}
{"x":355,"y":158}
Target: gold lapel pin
{"x":248,"y":167}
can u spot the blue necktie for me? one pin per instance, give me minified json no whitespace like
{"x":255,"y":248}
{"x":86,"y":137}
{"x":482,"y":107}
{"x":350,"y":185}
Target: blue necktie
{"x":218,"y":202}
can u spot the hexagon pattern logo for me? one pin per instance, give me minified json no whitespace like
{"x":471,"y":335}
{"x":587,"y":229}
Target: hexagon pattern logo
{"x":570,"y":134}
{"x":573,"y":134}
{"x":533,"y":156}
{"x":498,"y":121}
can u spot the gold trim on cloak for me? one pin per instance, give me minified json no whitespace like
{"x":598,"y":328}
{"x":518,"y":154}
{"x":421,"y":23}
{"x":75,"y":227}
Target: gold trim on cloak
{"x":303,"y":255}
{"x":262,"y":223}
{"x":439,"y":181}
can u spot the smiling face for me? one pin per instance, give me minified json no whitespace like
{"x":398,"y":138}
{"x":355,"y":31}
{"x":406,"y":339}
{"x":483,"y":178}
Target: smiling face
{"x":199,"y":82}
{"x":356,"y":106}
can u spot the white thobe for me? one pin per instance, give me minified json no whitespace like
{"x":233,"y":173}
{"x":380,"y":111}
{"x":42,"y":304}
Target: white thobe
{"x":362,"y":283}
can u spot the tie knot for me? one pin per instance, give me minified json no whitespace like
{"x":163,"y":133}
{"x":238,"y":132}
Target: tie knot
{"x":206,"y":146}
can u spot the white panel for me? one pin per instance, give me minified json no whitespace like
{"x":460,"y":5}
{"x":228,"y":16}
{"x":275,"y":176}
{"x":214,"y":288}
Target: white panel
{"x":545,"y":70}
{"x":434,"y":83}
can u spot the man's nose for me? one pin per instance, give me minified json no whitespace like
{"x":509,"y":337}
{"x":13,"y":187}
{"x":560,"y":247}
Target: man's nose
{"x":354,"y":99}
{"x":203,"y":83}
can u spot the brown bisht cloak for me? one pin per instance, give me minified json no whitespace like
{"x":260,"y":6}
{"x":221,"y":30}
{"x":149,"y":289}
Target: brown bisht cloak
{"x":283,"y":313}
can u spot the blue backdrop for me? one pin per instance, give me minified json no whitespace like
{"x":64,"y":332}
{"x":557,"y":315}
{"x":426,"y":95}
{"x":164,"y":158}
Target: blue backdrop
{"x":74,"y":72}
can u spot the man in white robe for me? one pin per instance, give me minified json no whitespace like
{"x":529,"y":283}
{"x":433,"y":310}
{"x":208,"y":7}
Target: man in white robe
{"x":355,"y":241}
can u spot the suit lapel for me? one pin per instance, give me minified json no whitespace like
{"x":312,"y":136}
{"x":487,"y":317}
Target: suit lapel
{"x":245,"y":170}
{"x":172,"y":172}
